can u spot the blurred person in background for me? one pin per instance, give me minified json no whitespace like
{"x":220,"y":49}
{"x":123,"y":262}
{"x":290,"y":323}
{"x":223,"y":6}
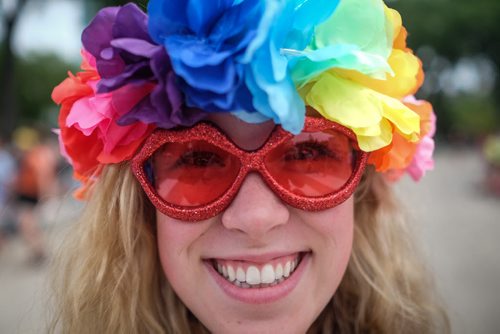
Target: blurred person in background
{"x":491,"y":152}
{"x":35,"y":181}
{"x":7,"y":172}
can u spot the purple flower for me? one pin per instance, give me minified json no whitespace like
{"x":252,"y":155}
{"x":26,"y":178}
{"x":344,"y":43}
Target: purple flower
{"x":126,"y":55}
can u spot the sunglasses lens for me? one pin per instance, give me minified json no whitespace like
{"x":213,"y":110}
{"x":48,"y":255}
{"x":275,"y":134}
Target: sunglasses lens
{"x":312,"y":164}
{"x":193,"y":173}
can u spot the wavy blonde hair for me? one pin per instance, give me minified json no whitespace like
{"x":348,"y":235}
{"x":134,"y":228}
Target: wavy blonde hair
{"x":108,"y":278}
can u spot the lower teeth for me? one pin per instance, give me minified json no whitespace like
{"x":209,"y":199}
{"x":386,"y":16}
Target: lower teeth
{"x":245,"y":285}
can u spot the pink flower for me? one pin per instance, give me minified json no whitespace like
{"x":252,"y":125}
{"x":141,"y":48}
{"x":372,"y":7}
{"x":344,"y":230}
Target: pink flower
{"x":98,"y":114}
{"x":89,"y":133}
{"x":422,"y":160}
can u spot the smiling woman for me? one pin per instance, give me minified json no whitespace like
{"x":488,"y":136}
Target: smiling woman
{"x":235,"y":158}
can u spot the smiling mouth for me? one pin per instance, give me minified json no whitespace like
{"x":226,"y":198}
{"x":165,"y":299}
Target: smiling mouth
{"x":252,"y":275}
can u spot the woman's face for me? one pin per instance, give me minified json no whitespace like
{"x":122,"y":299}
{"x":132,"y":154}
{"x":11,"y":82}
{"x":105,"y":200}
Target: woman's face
{"x":256,"y":237}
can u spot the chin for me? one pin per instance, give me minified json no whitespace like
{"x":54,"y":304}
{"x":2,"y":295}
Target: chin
{"x":263,"y":321}
{"x":264,"y":327}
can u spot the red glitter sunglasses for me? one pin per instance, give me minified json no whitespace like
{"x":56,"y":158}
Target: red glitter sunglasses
{"x":194,"y":173}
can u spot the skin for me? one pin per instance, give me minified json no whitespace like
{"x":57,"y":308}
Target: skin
{"x":256,"y":222}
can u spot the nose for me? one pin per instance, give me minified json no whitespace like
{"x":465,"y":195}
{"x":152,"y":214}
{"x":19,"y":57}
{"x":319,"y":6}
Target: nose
{"x":255,"y":210}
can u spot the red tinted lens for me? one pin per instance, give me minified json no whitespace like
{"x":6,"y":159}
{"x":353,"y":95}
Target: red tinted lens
{"x":193,"y":173}
{"x":312,"y":164}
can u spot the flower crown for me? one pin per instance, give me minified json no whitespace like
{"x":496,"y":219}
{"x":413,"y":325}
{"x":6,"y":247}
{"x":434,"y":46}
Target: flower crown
{"x":256,"y":59}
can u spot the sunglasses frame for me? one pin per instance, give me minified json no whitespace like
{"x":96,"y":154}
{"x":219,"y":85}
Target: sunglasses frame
{"x":251,"y":161}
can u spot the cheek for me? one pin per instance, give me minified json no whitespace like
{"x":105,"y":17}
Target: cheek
{"x":169,"y":243}
{"x":333,"y":231}
{"x":341,"y":229}
{"x":338,"y":230}
{"x":178,"y":251}
{"x":337,"y":225}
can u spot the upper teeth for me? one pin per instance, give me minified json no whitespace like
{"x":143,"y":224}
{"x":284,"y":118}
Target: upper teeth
{"x":253,"y":275}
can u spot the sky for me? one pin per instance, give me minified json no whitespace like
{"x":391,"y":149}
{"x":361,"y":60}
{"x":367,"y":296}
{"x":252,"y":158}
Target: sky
{"x":50,"y":25}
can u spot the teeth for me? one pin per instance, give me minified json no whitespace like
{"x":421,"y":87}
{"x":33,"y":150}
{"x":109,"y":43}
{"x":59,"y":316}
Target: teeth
{"x":255,"y":278}
{"x":224,"y":271}
{"x":231,"y":273}
{"x":279,"y":272}
{"x":253,"y":275}
{"x":267,"y":274}
{"x":286,"y":270}
{"x":240,"y":275}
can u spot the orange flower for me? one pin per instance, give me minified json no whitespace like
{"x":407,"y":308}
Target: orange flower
{"x":401,"y":153}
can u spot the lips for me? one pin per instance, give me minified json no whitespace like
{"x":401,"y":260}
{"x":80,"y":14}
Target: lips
{"x":259,"y":281}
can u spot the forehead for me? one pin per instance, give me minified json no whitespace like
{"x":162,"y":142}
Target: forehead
{"x":248,"y":136}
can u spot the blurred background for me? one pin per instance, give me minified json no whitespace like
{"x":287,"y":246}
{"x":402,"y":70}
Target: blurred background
{"x":456,"y":208}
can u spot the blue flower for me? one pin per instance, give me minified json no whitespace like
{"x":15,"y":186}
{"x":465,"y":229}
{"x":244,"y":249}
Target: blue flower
{"x":204,"y":40}
{"x":234,"y":55}
{"x":287,"y":27}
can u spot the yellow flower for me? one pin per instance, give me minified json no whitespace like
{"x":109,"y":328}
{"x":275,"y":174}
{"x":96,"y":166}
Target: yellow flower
{"x":372,"y":115}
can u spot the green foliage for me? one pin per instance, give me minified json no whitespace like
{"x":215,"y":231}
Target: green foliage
{"x":454,"y":29}
{"x":93,"y":6}
{"x":472,"y":116}
{"x":36,"y":76}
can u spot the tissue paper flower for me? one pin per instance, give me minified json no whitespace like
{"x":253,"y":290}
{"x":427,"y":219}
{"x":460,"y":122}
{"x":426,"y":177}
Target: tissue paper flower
{"x":87,"y":120}
{"x":256,"y":59}
{"x":407,"y":75}
{"x":204,"y":40}
{"x":412,"y":157}
{"x":287,"y":26}
{"x":230,"y":55}
{"x":125,"y":54}
{"x":384,"y":123}
{"x":422,"y":160}
{"x":356,"y":37}
{"x":371,"y":115}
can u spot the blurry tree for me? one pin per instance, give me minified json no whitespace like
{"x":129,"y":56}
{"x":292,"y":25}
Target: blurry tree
{"x":36,"y":76}
{"x":35,"y":84}
{"x":454,"y":28}
{"x":458,"y":41}
{"x":10,"y":12}
{"x":92,"y":6}
{"x":19,"y":101}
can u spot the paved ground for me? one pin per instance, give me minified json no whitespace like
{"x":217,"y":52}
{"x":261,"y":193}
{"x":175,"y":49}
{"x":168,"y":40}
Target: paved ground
{"x":458,"y":223}
{"x":23,"y":286}
{"x":459,"y":226}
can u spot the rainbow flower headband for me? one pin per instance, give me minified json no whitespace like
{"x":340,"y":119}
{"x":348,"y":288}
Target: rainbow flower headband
{"x":256,"y":59}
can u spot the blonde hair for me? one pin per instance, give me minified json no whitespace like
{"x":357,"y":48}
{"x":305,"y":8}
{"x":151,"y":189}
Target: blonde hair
{"x":108,"y":278}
